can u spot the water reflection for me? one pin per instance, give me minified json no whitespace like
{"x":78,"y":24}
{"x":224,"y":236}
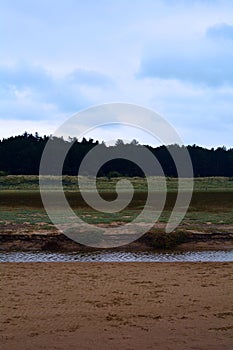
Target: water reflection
{"x":118,"y":256}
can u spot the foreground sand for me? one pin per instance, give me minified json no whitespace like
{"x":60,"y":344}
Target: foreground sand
{"x":116,"y":306}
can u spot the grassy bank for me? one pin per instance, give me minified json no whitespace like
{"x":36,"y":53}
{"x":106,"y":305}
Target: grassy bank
{"x":210,"y":210}
{"x":104,"y":184}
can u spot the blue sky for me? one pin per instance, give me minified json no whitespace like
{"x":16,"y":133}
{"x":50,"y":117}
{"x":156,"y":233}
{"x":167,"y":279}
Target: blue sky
{"x":175,"y":57}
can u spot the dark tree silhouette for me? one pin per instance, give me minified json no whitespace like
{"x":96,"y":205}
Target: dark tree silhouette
{"x":21,"y":155}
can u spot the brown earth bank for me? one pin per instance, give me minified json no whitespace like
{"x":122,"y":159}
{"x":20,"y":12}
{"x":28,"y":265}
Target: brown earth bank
{"x":111,"y":306}
{"x":55,"y":241}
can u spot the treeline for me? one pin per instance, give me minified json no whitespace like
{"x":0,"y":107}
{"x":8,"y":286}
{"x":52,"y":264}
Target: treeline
{"x":21,"y":155}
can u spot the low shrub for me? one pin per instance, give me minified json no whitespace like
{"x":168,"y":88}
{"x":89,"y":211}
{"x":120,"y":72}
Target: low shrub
{"x":3,"y":173}
{"x":163,"y":240}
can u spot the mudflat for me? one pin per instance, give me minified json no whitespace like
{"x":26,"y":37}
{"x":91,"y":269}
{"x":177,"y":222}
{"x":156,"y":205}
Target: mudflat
{"x":113,"y":306}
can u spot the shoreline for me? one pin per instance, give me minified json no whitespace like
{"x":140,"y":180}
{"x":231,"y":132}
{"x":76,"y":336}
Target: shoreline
{"x":54,"y":241}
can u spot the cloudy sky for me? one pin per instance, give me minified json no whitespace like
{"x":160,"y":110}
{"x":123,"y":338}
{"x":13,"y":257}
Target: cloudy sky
{"x":174,"y":57}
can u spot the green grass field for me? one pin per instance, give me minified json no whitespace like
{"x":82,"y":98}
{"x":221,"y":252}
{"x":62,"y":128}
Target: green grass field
{"x":70,"y":183}
{"x":21,"y":208}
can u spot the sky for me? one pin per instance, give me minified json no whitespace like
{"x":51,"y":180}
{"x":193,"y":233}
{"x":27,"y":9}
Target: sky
{"x":174,"y":57}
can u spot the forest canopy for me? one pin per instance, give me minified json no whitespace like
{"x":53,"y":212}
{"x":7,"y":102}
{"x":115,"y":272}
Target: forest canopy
{"x":21,"y":155}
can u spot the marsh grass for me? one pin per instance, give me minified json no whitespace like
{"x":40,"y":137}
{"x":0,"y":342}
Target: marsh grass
{"x":28,"y":218}
{"x":104,"y":184}
{"x":21,"y":204}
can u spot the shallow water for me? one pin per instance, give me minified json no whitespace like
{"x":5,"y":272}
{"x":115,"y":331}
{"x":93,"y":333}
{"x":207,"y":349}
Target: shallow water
{"x":118,"y":256}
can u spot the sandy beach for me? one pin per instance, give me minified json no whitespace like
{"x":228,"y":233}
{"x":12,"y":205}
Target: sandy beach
{"x":116,"y":306}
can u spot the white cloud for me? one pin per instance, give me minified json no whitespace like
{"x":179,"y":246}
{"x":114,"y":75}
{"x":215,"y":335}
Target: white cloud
{"x":14,"y":127}
{"x":60,"y":57}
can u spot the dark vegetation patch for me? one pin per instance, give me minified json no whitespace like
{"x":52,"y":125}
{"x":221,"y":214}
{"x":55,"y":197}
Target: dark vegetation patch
{"x":201,"y":201}
{"x":22,"y":154}
{"x":163,"y":240}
